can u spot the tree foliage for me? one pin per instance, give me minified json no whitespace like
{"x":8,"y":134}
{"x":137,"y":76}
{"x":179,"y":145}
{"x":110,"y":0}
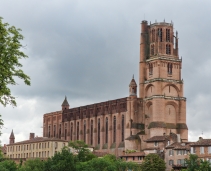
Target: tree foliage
{"x":10,"y":66}
{"x":152,"y":162}
{"x":193,"y":163}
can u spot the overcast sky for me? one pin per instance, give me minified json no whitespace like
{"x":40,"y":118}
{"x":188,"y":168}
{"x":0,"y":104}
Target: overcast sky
{"x":88,"y":50}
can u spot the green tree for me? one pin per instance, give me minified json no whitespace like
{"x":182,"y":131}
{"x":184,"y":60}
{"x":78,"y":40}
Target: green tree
{"x":84,"y":154}
{"x":10,"y":56}
{"x":61,"y":161}
{"x":32,"y":165}
{"x":153,"y":162}
{"x":192,"y":162}
{"x":8,"y":165}
{"x":204,"y":166}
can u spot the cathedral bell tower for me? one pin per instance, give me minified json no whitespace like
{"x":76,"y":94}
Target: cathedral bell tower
{"x":160,"y":83}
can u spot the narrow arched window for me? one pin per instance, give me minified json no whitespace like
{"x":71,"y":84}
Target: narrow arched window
{"x":77,"y":135}
{"x":49,"y":131}
{"x":153,"y":35}
{"x":106,"y":138}
{"x":114,"y":129}
{"x":168,"y":35}
{"x":152,"y":50}
{"x":168,"y":49}
{"x":71,"y":132}
{"x":54,"y":130}
{"x":85,"y":131}
{"x":98,"y":131}
{"x":150,"y":69}
{"x":60,"y":130}
{"x":160,"y":35}
{"x":91,"y":132}
{"x":123,"y":127}
{"x":65,"y":132}
{"x":169,"y":68}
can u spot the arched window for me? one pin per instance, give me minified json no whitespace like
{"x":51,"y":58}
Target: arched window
{"x":91,"y":132}
{"x":65,"y":132}
{"x":168,"y":49}
{"x":106,"y":138}
{"x":150,"y":69}
{"x":123,"y":127}
{"x":49,"y":131}
{"x":71,"y":131}
{"x":153,"y":35}
{"x":85,"y":131}
{"x":98,"y":131}
{"x":77,"y":136}
{"x":160,"y":35}
{"x":168,"y":35}
{"x":152,"y":50}
{"x":54,"y":130}
{"x":60,"y":130}
{"x":169,"y":68}
{"x":114,"y":129}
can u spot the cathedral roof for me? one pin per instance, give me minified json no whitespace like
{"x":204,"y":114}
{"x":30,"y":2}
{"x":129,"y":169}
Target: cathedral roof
{"x":12,"y":135}
{"x":65,"y":102}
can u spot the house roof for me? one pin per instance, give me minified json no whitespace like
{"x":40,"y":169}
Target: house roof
{"x":37,"y":139}
{"x":179,"y":146}
{"x":202,"y":142}
{"x":4,"y":149}
{"x":157,"y":138}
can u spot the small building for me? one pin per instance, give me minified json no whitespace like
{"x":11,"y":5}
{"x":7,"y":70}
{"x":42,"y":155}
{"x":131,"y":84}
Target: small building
{"x":202,"y":148}
{"x":35,"y":147}
{"x":136,"y":157}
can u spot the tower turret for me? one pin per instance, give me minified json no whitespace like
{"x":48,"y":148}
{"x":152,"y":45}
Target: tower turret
{"x":133,"y":87}
{"x":65,"y":104}
{"x":12,"y":138}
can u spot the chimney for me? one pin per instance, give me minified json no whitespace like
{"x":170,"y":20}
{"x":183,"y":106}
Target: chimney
{"x":31,"y":136}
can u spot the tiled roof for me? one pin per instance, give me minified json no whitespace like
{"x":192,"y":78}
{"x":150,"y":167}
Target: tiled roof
{"x":179,"y":146}
{"x":133,"y":154}
{"x":202,"y":142}
{"x":37,"y":139}
{"x":157,"y":138}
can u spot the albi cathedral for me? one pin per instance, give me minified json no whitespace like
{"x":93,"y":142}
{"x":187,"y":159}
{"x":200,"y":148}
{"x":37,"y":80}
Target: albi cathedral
{"x":135,"y":122}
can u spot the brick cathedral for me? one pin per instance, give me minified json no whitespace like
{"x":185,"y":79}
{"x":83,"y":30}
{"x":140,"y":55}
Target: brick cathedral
{"x":133,"y":122}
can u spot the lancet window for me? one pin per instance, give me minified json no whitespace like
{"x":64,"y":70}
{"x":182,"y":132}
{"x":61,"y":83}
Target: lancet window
{"x":153,"y":35}
{"x":85,"y":131}
{"x":160,"y":35}
{"x":106,"y":138}
{"x":168,"y":49}
{"x":123,"y":127}
{"x":169,"y":68}
{"x":168,"y":35}
{"x":77,"y":135}
{"x":114,"y":129}
{"x":150,"y":69}
{"x":71,"y":131}
{"x":152,"y":49}
{"x":98,"y":131}
{"x":91,"y":132}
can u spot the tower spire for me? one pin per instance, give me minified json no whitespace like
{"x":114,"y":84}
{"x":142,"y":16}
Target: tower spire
{"x":65,"y":104}
{"x":12,"y":138}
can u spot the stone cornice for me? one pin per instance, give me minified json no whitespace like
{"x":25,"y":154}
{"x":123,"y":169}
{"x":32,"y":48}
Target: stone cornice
{"x":164,"y":58}
{"x":164,"y":97}
{"x":163,"y":80}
